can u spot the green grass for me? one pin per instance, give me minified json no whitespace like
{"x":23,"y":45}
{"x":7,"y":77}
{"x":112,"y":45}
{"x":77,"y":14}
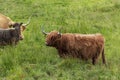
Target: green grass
{"x":32,"y":60}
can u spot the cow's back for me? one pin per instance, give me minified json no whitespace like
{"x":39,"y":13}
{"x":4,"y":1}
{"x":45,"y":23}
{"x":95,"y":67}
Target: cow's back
{"x":5,"y":34}
{"x":85,"y":45}
{"x":4,"y":21}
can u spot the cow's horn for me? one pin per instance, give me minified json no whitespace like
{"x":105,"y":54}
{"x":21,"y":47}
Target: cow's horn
{"x":27,"y":22}
{"x":44,"y":31}
{"x":60,"y":29}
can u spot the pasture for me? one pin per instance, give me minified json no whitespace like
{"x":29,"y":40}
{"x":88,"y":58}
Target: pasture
{"x":31,"y":59}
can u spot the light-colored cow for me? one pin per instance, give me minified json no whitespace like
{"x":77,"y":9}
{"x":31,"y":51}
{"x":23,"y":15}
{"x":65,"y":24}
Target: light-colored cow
{"x":6,"y":22}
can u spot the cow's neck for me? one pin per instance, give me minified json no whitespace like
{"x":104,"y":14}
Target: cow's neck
{"x":57,"y":43}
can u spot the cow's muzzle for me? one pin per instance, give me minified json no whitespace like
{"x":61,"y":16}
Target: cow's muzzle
{"x":21,"y":37}
{"x":47,"y":44}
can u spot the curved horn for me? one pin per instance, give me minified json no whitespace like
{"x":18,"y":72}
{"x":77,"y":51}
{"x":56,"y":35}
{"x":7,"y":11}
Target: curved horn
{"x":60,"y":29}
{"x":44,"y":31}
{"x":27,"y":22}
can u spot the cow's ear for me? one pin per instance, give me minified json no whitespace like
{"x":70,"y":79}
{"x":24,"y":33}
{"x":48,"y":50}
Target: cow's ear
{"x":23,"y":27}
{"x":21,"y":23}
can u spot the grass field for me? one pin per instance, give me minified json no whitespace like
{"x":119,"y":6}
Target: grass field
{"x":32,"y":60}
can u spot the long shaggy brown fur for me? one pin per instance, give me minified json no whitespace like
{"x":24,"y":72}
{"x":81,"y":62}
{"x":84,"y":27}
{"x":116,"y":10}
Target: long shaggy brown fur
{"x":83,"y":46}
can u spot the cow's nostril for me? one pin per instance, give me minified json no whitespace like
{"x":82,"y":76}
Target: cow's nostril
{"x":46,"y":43}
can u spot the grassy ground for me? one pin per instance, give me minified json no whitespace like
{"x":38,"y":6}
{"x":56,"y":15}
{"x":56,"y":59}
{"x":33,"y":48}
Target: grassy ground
{"x":32,"y":60}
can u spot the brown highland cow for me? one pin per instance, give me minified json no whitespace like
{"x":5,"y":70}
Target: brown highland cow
{"x":83,"y":46}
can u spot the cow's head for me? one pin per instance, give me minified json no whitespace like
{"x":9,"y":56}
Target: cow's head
{"x":18,"y":32}
{"x":52,"y":38}
{"x":22,"y":27}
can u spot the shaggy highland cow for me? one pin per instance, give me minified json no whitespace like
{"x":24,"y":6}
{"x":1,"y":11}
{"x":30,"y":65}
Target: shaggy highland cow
{"x":10,"y":36}
{"x":83,"y":46}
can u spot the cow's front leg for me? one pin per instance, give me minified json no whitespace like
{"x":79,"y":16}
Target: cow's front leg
{"x":13,"y":41}
{"x":93,"y":60}
{"x":61,"y":54}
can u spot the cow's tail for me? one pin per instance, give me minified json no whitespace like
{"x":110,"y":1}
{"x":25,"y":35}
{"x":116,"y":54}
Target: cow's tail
{"x":103,"y":57}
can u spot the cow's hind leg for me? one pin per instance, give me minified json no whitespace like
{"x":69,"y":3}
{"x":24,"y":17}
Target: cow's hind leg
{"x":93,"y":60}
{"x":103,"y":57}
{"x":95,"y":57}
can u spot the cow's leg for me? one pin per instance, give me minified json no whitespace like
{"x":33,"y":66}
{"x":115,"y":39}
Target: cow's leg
{"x":103,"y":57}
{"x":61,"y":54}
{"x":13,"y":41}
{"x":93,"y":60}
